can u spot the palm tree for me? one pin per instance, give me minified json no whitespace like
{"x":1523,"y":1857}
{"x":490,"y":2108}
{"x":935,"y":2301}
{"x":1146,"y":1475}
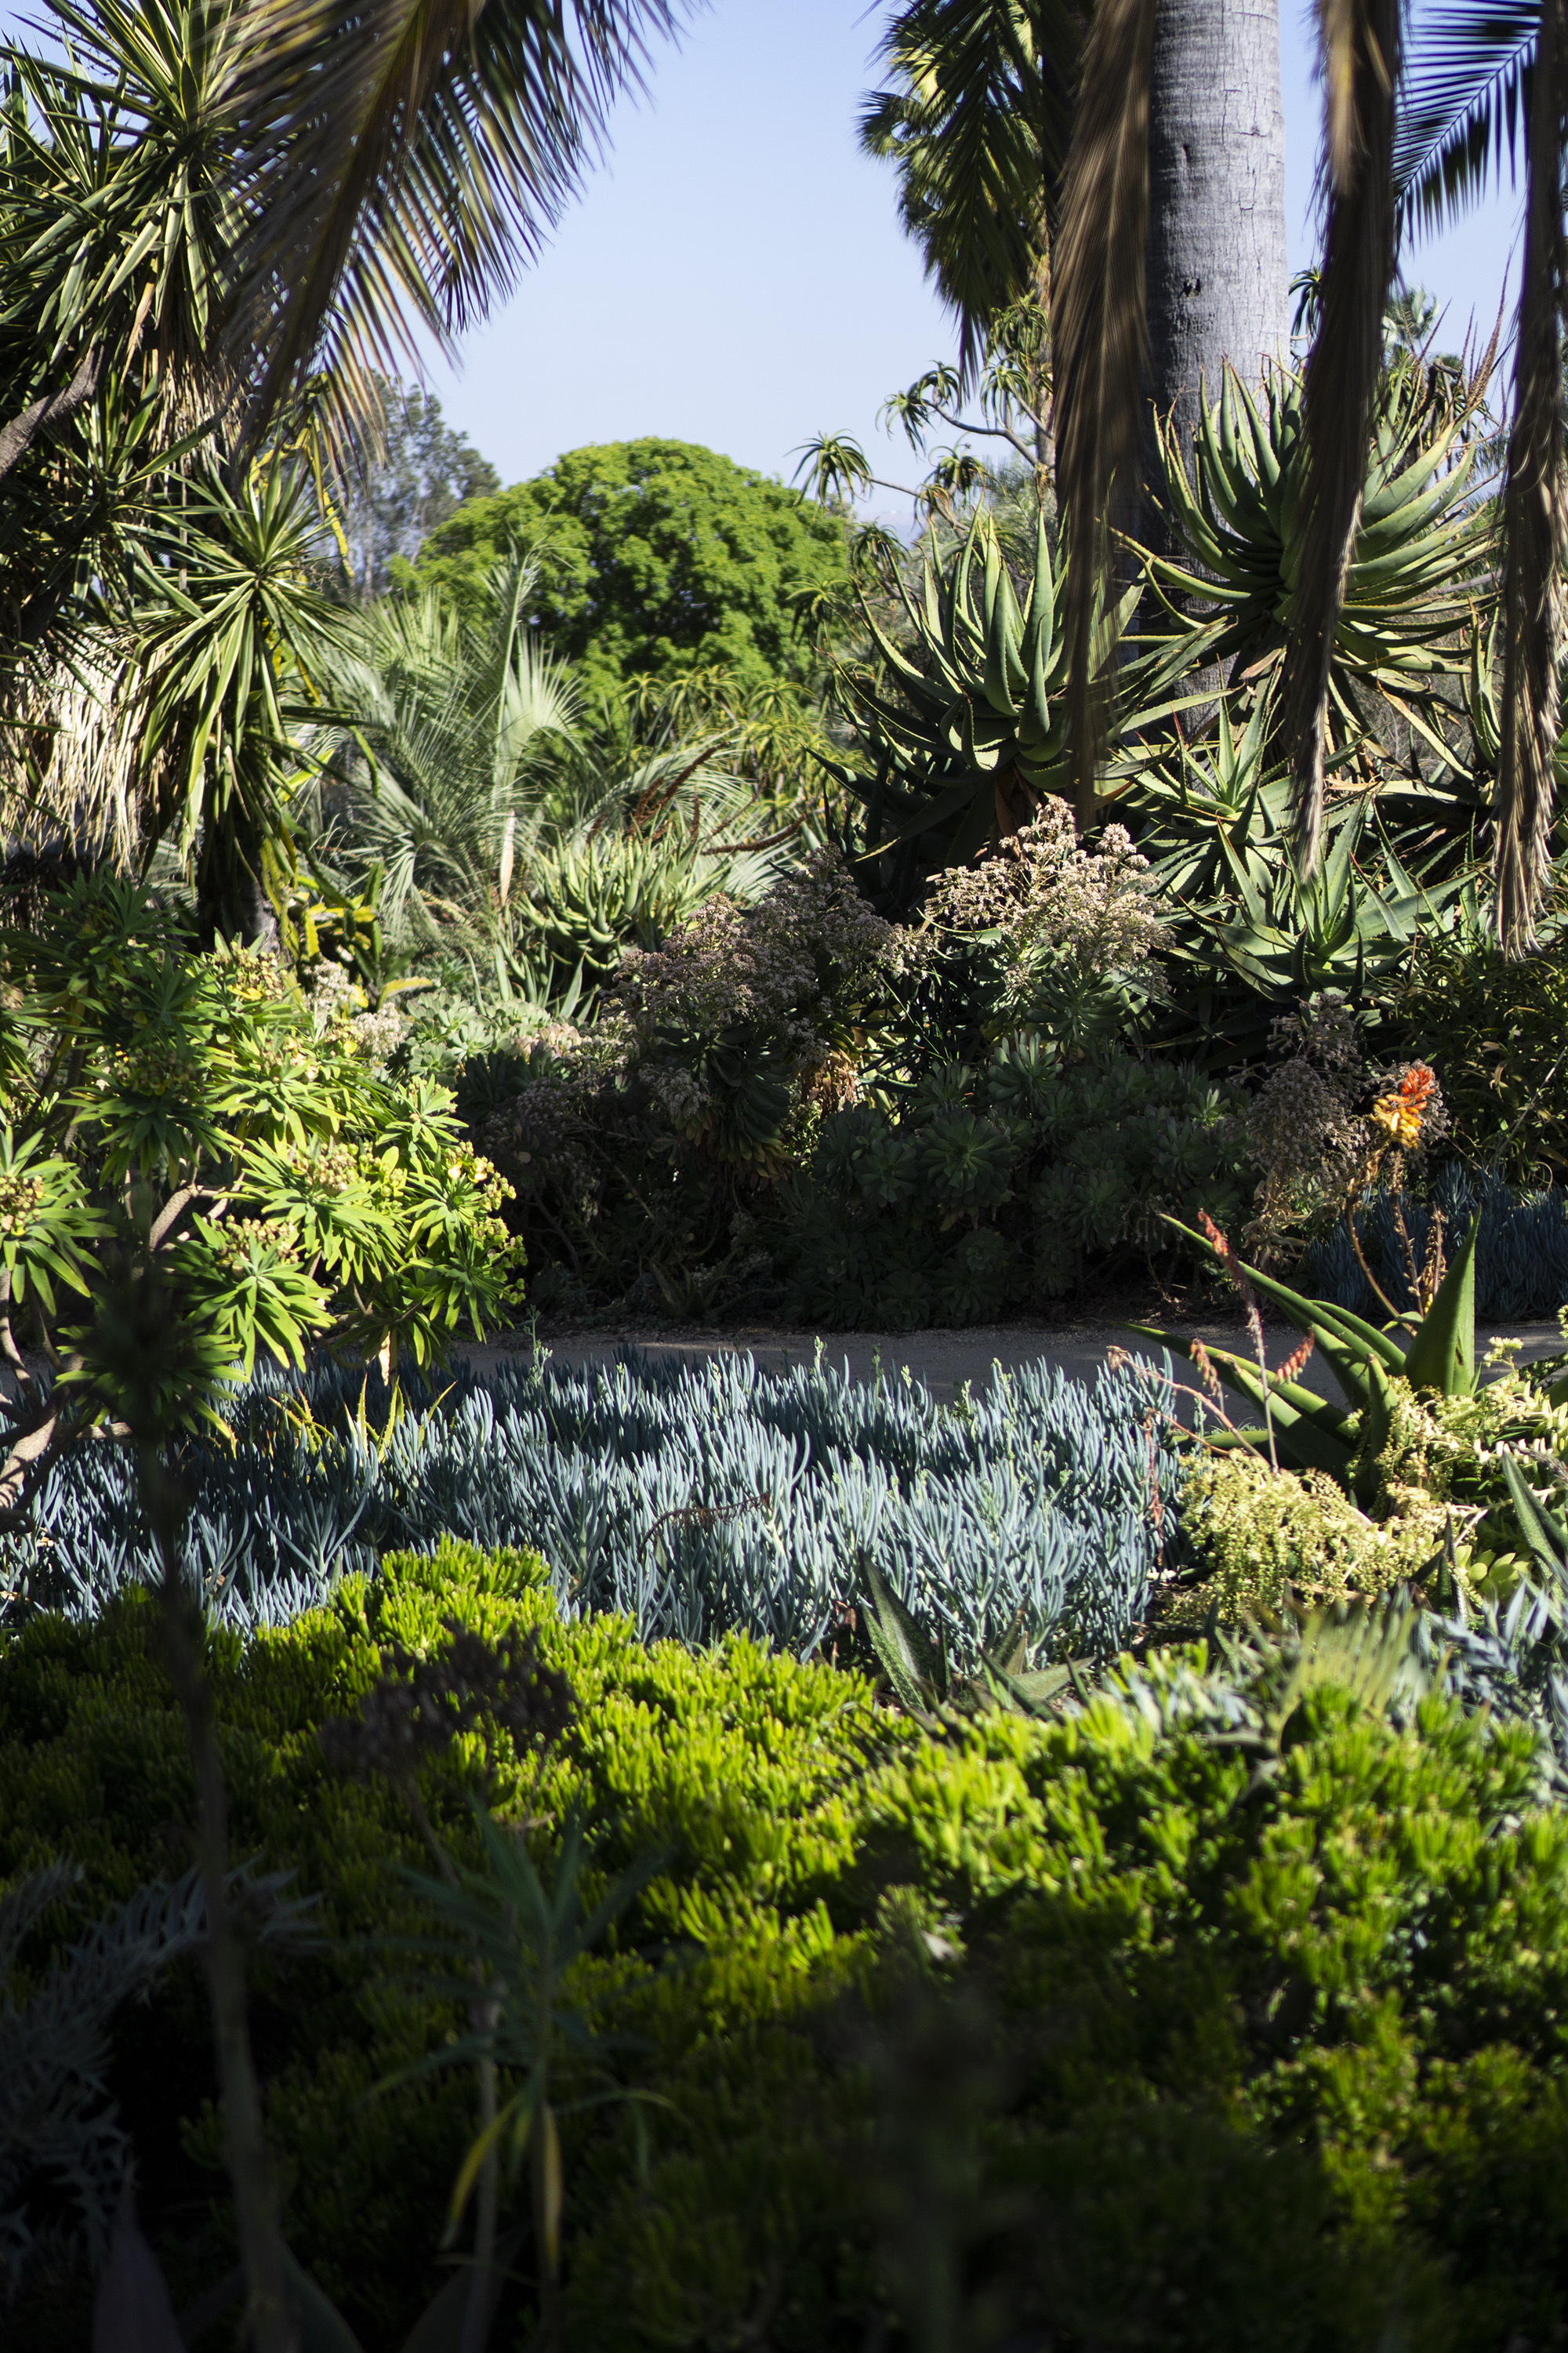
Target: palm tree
{"x":400,"y":162}
{"x":466,"y":722}
{"x":979,"y":117}
{"x":1406,"y":137}
{"x":502,"y":829}
{"x":218,"y":215}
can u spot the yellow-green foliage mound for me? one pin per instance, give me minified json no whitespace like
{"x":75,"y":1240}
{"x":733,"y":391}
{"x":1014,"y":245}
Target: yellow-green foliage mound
{"x":1144,"y":2027}
{"x":1264,"y":1535}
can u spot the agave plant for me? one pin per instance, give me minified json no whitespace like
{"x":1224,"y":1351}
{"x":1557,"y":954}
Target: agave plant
{"x":1419,"y":568}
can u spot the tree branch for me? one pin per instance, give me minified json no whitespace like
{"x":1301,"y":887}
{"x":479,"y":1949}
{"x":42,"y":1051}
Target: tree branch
{"x":18,"y":437}
{"x":996,"y":432}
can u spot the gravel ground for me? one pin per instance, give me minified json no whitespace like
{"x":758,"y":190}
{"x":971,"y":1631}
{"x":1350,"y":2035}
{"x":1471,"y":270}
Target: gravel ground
{"x":943,"y":1360}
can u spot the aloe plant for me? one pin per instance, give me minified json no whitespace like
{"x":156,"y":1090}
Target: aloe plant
{"x":1420,"y":571}
{"x":1341,"y":1436}
{"x":965,"y":723}
{"x":1285,"y":938}
{"x":922,"y":1675}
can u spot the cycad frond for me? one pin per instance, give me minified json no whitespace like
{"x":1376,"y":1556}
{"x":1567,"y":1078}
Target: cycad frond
{"x":468,"y":723}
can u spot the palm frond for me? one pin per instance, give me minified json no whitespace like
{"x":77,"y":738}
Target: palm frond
{"x":400,"y":159}
{"x":1532,"y":515}
{"x":468,"y":726}
{"x":977,"y":118}
{"x":1101,"y":338}
{"x":1361,"y":47}
{"x":1461,"y":99}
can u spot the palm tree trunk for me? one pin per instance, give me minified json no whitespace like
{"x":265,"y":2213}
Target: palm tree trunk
{"x":1217,"y":278}
{"x":231,"y":896}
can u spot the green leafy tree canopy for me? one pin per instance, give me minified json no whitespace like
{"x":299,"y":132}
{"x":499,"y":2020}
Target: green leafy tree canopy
{"x":656,"y":558}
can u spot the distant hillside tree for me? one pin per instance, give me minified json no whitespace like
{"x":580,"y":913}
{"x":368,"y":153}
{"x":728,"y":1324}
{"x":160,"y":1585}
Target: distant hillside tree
{"x":656,"y":558}
{"x":427,"y":472}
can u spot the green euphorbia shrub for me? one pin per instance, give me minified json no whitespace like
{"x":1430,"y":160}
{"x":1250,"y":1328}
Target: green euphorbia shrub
{"x":1002,"y":1183}
{"x":1102,"y":2029}
{"x":243,"y":1138}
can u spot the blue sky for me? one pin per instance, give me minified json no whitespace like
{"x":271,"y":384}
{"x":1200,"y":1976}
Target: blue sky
{"x":734,"y":273}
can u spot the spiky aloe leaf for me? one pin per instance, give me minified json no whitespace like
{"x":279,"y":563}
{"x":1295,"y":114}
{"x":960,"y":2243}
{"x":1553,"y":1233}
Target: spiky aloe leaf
{"x":1442,"y":1356}
{"x":1317,"y":1316}
{"x":1309,"y":1430}
{"x":1030,"y":1694}
{"x":1542,"y":1531}
{"x":1376,"y":1424}
{"x":912,"y":1664}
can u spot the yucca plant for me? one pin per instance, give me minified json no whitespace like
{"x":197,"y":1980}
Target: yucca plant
{"x":227,"y":639}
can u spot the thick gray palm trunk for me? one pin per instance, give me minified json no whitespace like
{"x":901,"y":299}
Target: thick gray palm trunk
{"x":1217,"y":278}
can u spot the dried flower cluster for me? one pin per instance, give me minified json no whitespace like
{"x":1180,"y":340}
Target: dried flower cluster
{"x":542,"y":1137}
{"x":1045,"y":894}
{"x":776,"y":967}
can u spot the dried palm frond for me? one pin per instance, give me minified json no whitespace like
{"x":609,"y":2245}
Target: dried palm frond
{"x":1361,"y":47}
{"x":1532,"y":518}
{"x":1101,"y":340}
{"x":400,"y":158}
{"x":71,"y":734}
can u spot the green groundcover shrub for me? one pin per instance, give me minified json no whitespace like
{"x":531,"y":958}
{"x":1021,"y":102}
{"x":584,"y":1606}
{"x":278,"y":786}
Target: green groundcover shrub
{"x":1111,"y":2031}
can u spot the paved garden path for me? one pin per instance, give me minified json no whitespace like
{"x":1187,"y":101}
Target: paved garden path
{"x":944,"y":1360}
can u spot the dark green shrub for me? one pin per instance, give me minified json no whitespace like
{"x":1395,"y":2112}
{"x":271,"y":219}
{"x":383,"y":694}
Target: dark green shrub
{"x":1109,"y":2028}
{"x":735,"y":1759}
{"x":1496,"y":1027}
{"x":1000,"y":1184}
